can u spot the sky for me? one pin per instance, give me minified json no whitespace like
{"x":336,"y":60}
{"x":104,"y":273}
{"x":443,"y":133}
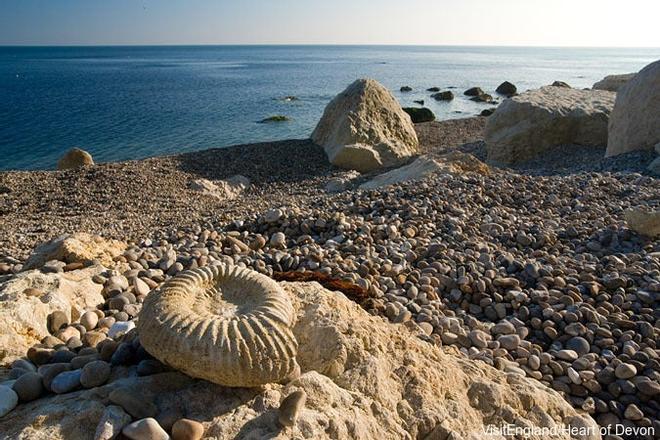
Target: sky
{"x":602,"y":23}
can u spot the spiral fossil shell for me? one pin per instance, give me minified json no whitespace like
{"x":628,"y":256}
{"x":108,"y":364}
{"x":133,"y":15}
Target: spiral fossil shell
{"x":225,"y":324}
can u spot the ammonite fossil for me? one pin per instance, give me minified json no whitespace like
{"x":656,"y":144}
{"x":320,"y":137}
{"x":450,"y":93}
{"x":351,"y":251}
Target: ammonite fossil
{"x":225,"y":324}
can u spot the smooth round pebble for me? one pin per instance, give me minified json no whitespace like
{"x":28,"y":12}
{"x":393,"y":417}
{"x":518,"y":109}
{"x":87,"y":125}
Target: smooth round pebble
{"x":95,"y":374}
{"x":120,"y":328}
{"x":89,"y":320}
{"x":8,"y":400}
{"x":66,"y":381}
{"x":29,"y":387}
{"x":145,"y":429}
{"x":625,"y":371}
{"x":186,"y":429}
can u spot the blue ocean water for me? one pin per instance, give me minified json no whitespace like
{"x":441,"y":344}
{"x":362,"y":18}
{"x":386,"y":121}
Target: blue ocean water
{"x":124,"y":103}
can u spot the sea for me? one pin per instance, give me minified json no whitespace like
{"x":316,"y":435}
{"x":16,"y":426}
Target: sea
{"x":124,"y":103}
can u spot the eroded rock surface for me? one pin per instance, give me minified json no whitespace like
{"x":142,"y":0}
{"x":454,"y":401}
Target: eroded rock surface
{"x":363,"y":377}
{"x":27,"y":299}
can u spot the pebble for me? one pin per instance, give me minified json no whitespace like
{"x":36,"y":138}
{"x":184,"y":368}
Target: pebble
{"x":89,"y":320}
{"x":113,"y":420}
{"x":49,"y":371}
{"x":23,"y":365}
{"x":67,"y":333}
{"x":145,"y":429}
{"x":62,"y":356}
{"x":106,"y":322}
{"x":141,"y":288}
{"x":8,"y":400}
{"x":278,"y":240}
{"x":83,"y":359}
{"x":120,"y":328}
{"x":290,"y":408}
{"x":478,"y":338}
{"x":66,"y":381}
{"x":93,"y":338}
{"x":29,"y":387}
{"x":579,"y":345}
{"x":633,"y":413}
{"x":273,"y":215}
{"x":40,"y":355}
{"x":147,"y":367}
{"x":56,"y":320}
{"x":509,"y":342}
{"x":625,"y":371}
{"x":567,"y":355}
{"x":124,"y":354}
{"x":186,"y":429}
{"x":95,"y":374}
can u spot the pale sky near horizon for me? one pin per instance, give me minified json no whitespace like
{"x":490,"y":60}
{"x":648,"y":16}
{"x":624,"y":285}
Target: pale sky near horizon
{"x":605,"y":23}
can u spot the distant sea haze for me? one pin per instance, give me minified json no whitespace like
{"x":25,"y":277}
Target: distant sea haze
{"x":122,"y":103}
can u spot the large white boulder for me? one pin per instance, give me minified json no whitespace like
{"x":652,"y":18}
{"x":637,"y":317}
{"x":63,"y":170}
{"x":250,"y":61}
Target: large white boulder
{"x":528,"y":124}
{"x":364,"y":378}
{"x":364,"y":128}
{"x":27,"y":299}
{"x":612,"y":83}
{"x":635,"y":120}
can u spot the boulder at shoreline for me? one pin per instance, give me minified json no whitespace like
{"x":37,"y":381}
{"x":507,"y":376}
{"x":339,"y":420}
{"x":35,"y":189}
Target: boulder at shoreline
{"x":635,"y":120}
{"x":507,"y":89}
{"x":418,"y":115}
{"x":75,"y":158}
{"x":364,"y":128}
{"x":612,"y":83}
{"x":525,"y":125}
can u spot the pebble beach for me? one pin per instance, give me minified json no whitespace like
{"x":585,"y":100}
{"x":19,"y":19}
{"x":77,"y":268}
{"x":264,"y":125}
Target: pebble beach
{"x":531,"y":269}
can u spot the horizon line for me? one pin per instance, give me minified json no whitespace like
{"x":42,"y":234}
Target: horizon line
{"x":316,"y":45}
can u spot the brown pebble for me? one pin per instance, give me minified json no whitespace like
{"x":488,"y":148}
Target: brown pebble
{"x":290,"y":407}
{"x":31,"y":291}
{"x":186,"y":429}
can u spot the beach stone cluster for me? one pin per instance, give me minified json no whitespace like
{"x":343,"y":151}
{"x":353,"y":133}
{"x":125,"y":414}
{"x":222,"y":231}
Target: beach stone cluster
{"x":557,"y":287}
{"x":101,"y":346}
{"x":572,"y":304}
{"x":535,"y":275}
